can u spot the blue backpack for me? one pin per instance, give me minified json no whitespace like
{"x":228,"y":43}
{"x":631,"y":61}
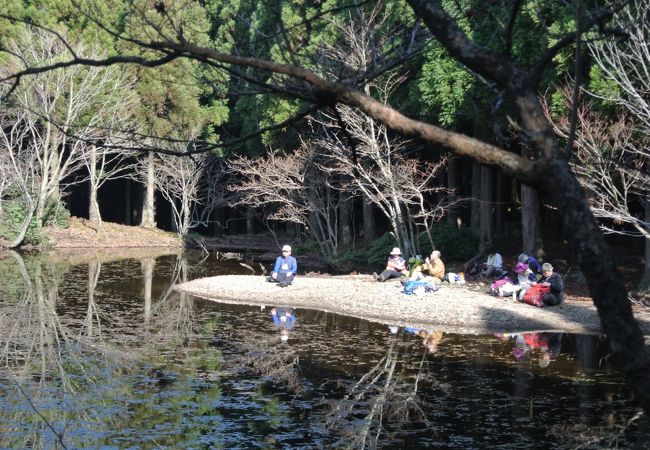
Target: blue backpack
{"x":411,"y":286}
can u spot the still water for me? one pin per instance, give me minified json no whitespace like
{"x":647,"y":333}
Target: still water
{"x":98,"y":352}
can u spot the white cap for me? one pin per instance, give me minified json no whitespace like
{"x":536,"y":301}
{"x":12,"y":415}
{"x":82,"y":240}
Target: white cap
{"x":286,"y":247}
{"x":396,"y":251}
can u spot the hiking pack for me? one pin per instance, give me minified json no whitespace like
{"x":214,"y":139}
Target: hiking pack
{"x":534,"y":294}
{"x":410,"y":287}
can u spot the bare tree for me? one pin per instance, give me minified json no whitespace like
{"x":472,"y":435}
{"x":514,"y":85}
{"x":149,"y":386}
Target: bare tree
{"x":626,"y":63}
{"x":114,"y":121}
{"x":291,"y":188}
{"x":62,"y":111}
{"x":609,"y":158}
{"x":400,"y":187}
{"x":20,"y":167}
{"x":358,"y":51}
{"x":193,"y":186}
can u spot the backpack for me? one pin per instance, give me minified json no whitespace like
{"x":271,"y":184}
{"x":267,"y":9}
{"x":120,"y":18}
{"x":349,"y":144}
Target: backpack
{"x":494,"y":289}
{"x":411,"y":286}
{"x":534,"y":294}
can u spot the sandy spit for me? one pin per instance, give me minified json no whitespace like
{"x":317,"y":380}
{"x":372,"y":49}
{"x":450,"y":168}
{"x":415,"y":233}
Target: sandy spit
{"x":455,"y":309}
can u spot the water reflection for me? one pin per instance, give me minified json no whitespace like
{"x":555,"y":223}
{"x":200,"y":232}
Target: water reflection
{"x":102,"y":352}
{"x":546,"y":346}
{"x":284,"y":320}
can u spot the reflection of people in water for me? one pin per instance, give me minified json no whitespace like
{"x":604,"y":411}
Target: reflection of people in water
{"x":285,"y":320}
{"x":548,"y":344}
{"x":430,"y":338}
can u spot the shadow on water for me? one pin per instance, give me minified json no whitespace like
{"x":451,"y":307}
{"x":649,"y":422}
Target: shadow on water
{"x":101,"y":352}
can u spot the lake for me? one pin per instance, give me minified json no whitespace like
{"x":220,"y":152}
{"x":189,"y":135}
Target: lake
{"x":99,"y":352}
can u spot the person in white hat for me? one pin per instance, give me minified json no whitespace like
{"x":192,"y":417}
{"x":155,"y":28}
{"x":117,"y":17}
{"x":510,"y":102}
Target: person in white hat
{"x":285,"y":268}
{"x":395,"y":267}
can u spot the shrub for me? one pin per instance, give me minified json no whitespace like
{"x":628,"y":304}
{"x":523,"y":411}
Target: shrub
{"x":56,"y":214}
{"x":455,"y":244}
{"x":380,"y":248}
{"x":13,"y":215}
{"x":307,"y":248}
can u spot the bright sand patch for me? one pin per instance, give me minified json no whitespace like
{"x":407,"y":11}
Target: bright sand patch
{"x":453,"y":308}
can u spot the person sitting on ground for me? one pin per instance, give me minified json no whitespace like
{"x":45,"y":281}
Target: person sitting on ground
{"x":473,"y":266}
{"x":395,"y":266}
{"x":531,"y":261}
{"x":525,"y":278}
{"x":433,"y":267}
{"x":285,"y":268}
{"x":494,"y":264}
{"x":554,"y":281}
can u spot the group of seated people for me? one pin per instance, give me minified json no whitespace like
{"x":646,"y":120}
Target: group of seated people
{"x":529,"y":272}
{"x":433,"y":269}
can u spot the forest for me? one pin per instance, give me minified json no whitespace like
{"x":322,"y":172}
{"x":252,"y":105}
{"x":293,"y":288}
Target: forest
{"x":339,"y":121}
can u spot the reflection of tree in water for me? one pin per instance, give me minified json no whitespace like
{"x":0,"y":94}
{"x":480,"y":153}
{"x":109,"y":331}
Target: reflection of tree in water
{"x":59,"y":373}
{"x":38,"y":351}
{"x":385,"y":399}
{"x":173,"y":313}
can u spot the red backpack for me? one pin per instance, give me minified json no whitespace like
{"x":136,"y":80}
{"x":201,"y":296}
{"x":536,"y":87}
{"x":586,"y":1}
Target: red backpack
{"x":534,"y":294}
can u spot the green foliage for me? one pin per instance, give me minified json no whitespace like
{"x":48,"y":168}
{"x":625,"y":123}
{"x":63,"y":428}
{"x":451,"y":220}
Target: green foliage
{"x":380,"y":248}
{"x":455,"y":244}
{"x":56,"y":215}
{"x":307,"y":248}
{"x":11,"y":220}
{"x":445,"y":86}
{"x":14,"y":213}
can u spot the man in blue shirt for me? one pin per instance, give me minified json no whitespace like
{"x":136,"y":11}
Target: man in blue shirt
{"x":285,"y":268}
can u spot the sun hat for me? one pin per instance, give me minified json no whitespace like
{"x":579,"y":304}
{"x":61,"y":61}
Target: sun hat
{"x":286,"y":248}
{"x":521,"y":267}
{"x":396,"y":251}
{"x":547,"y":267}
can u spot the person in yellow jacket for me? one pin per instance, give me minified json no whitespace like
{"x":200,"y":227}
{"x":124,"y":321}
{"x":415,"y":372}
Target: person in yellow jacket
{"x":433,"y":267}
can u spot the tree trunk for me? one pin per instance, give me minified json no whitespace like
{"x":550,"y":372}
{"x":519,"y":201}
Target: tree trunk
{"x":186,"y":215}
{"x":93,"y":206}
{"x":369,"y":228}
{"x":475,"y":219}
{"x":452,"y":185}
{"x":148,"y":206}
{"x":94,"y":269}
{"x":147,"y":265}
{"x":250,"y":221}
{"x":499,"y":206}
{"x":94,"y":214}
{"x":605,"y":284}
{"x":344,"y":219}
{"x":530,"y":222}
{"x":486,"y":219}
{"x":645,"y":282}
{"x":128,"y":220}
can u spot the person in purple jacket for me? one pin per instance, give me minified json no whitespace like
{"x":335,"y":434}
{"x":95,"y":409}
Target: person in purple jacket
{"x":285,"y":268}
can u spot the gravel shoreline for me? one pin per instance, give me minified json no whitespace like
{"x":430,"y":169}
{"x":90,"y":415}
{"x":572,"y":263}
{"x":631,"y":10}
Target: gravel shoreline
{"x":455,"y":309}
